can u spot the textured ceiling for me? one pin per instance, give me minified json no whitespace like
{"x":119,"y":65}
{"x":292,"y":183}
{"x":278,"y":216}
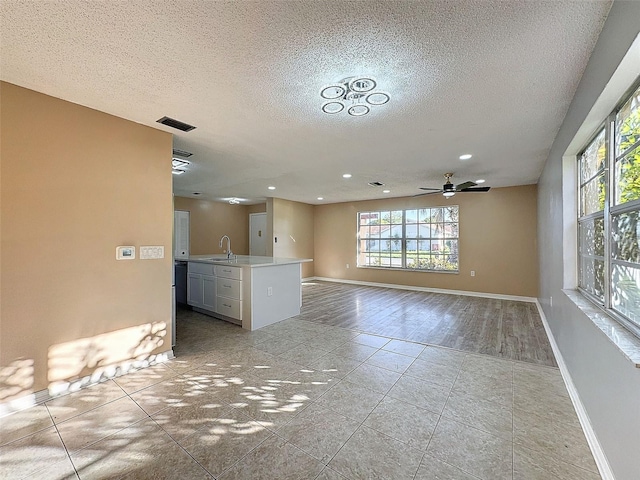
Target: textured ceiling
{"x":490,"y":78}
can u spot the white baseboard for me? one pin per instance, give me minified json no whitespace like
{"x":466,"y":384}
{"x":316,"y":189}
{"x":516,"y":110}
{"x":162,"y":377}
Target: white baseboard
{"x":425,"y":289}
{"x":596,"y":449}
{"x":42,"y":396}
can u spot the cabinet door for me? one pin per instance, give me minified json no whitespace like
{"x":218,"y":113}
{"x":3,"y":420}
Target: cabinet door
{"x":209,"y":292}
{"x":195,"y":292}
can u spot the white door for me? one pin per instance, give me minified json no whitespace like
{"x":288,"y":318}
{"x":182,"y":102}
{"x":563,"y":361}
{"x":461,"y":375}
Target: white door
{"x":181,"y":235}
{"x":258,"y":234}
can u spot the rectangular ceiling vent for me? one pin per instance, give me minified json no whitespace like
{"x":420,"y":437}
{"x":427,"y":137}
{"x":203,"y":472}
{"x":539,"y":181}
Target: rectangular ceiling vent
{"x":376,"y":184}
{"x":181,"y":153}
{"x":173,"y":123}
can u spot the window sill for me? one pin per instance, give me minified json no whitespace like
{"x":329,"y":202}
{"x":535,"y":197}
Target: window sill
{"x":626,"y":342}
{"x":399,"y":269}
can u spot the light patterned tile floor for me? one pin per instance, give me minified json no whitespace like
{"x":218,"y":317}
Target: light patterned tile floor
{"x":305,"y":400}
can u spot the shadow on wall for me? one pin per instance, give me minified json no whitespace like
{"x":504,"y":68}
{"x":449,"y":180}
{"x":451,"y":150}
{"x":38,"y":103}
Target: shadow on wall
{"x":16,"y":380}
{"x":75,"y":364}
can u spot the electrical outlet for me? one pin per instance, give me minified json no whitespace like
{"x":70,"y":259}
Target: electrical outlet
{"x":473,"y":273}
{"x":269,"y":291}
{"x":347,"y":265}
{"x":551,"y":301}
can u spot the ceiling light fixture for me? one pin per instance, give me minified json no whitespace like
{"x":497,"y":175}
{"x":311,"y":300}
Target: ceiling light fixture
{"x":234,"y":201}
{"x":178,"y":163}
{"x":466,"y":156}
{"x":271,"y":187}
{"x":346,"y":175}
{"x":481,"y":180}
{"x":320,"y":198}
{"x":386,"y":191}
{"x":354,"y":90}
{"x":448,"y":189}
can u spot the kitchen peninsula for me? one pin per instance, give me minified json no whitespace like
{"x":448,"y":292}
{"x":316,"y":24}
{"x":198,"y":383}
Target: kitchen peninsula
{"x":250,"y":291}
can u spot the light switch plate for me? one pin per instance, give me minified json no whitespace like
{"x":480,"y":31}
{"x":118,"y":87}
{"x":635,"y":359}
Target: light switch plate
{"x":151,"y":252}
{"x":125,"y":252}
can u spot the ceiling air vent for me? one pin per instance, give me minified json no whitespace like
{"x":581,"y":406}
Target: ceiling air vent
{"x":173,"y":123}
{"x":376,"y":184}
{"x":181,"y":153}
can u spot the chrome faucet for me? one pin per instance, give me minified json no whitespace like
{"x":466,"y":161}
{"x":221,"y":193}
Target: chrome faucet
{"x":229,"y":253}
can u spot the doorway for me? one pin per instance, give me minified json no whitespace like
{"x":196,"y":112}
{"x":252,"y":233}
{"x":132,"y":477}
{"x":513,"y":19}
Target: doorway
{"x":258,"y":234}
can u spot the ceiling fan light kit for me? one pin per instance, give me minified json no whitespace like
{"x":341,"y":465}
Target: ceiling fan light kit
{"x":356,"y":90}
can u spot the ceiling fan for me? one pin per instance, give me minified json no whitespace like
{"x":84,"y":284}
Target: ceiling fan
{"x":449,"y":189}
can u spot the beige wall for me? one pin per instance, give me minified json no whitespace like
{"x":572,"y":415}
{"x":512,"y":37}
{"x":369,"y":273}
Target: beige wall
{"x":76,"y":183}
{"x":497,"y":240}
{"x":209,"y":221}
{"x":258,"y":208}
{"x":293,"y":226}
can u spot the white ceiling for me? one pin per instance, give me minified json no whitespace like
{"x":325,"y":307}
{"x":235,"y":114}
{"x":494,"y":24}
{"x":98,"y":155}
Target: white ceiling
{"x":490,"y":78}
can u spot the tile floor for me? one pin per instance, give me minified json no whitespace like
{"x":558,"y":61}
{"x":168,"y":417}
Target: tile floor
{"x":304,"y":400}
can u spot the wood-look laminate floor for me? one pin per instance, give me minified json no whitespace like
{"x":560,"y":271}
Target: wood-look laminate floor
{"x":501,"y":328}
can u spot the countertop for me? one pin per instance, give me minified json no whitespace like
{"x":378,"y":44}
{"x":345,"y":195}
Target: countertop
{"x":250,"y":261}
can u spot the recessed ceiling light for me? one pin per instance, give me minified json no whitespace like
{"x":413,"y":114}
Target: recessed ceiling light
{"x":386,"y":191}
{"x":480,"y":180}
{"x":320,"y":198}
{"x":177,"y":171}
{"x":466,"y":156}
{"x":271,"y":187}
{"x":346,"y":175}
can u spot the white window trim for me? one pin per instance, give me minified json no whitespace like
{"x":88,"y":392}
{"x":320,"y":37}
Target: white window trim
{"x":621,"y":81}
{"x":404,"y":241}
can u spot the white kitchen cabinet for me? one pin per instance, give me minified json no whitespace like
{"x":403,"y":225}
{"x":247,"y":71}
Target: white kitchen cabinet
{"x":195,"y":292}
{"x":250,"y":291}
{"x":229,"y":291}
{"x":209,"y":292}
{"x":201,"y":286}
{"x":226,"y":271}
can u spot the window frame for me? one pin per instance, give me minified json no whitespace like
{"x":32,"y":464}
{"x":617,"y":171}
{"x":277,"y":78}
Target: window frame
{"x":608,"y":213}
{"x":404,"y":239}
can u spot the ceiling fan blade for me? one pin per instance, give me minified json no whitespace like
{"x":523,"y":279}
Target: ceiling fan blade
{"x":427,"y":193}
{"x":464,"y":185}
{"x":477,"y":189}
{"x":427,"y":188}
